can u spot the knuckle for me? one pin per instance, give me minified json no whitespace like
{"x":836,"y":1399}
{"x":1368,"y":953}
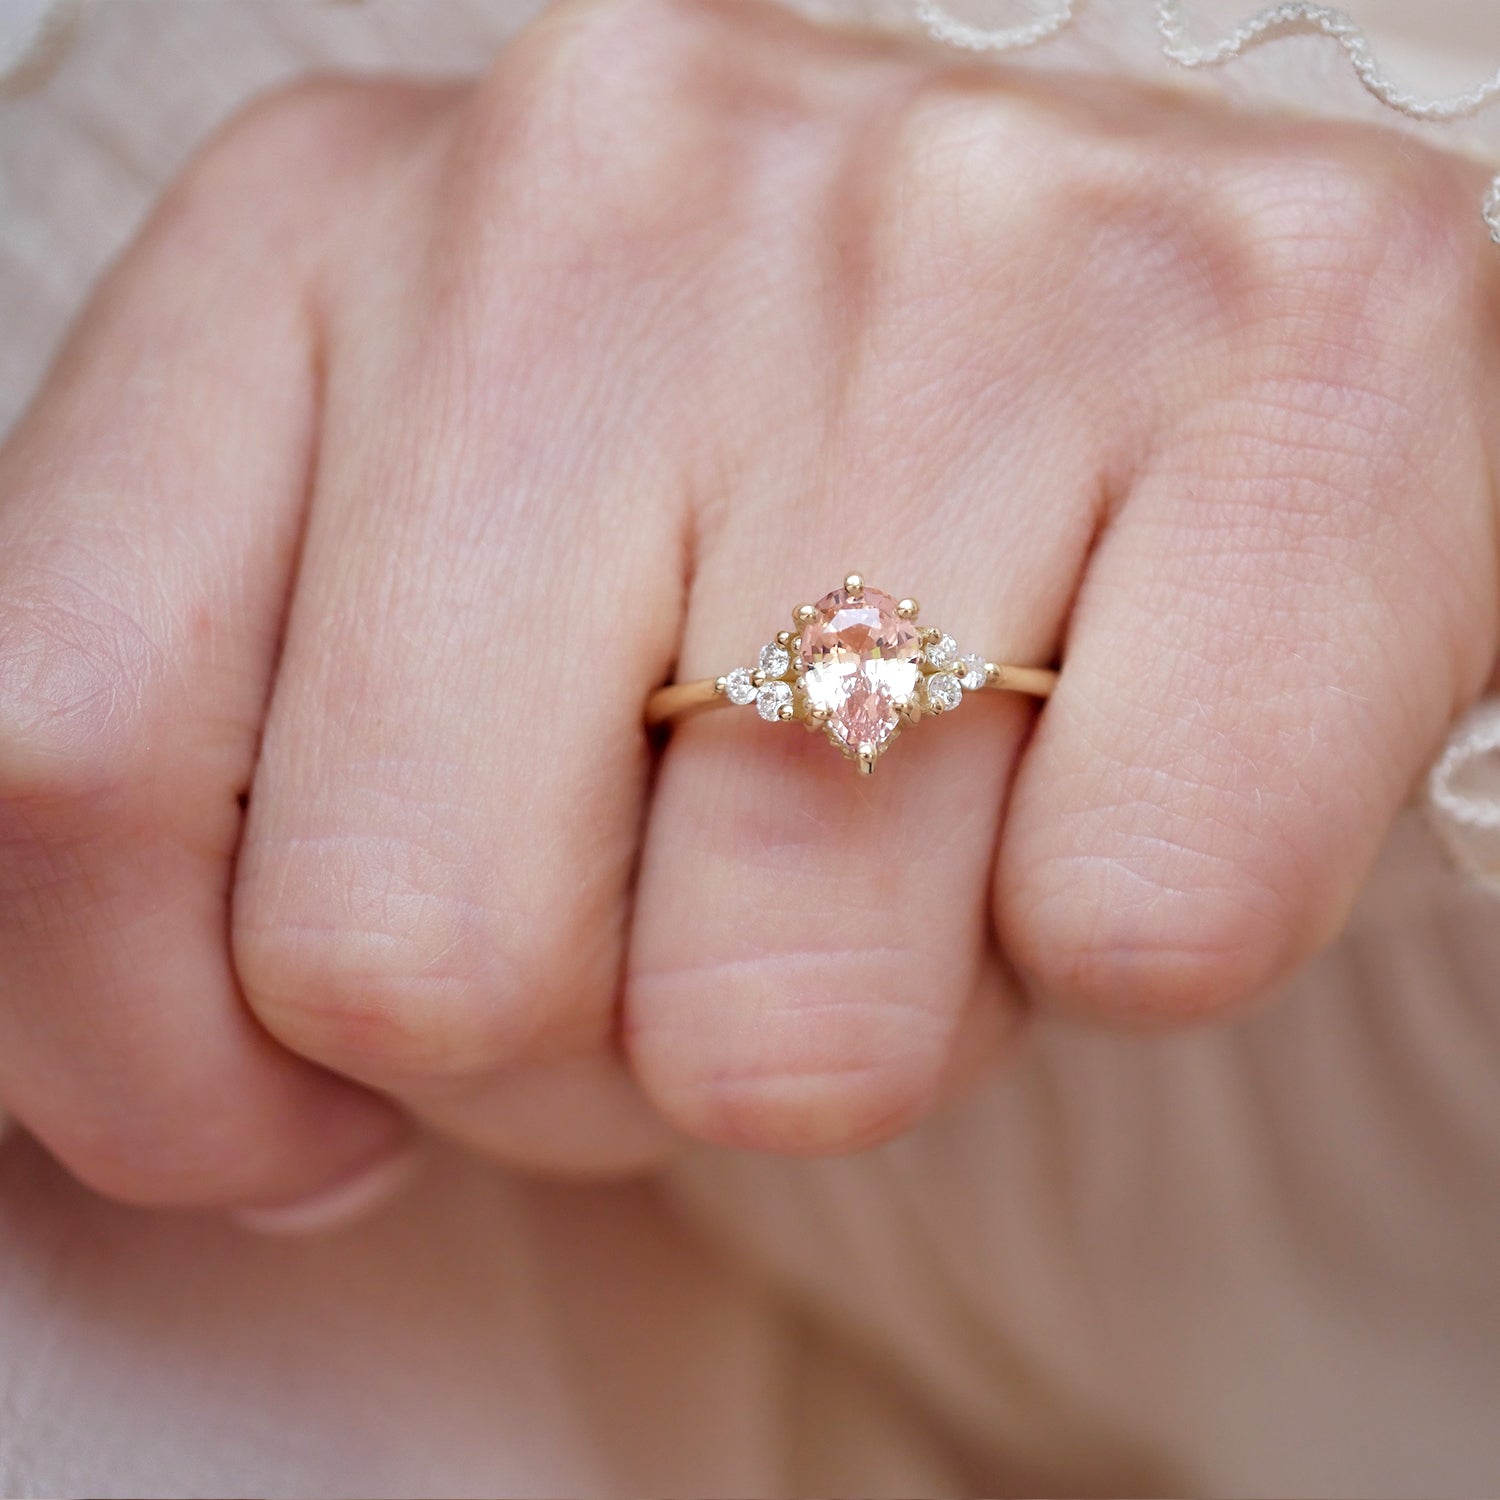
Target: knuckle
{"x":631,"y":126}
{"x":144,"y":1158}
{"x":621,"y":42}
{"x":368,"y":961}
{"x":315,"y":121}
{"x":1116,"y":938}
{"x":973,"y":182}
{"x":552,"y":109}
{"x":970,"y":168}
{"x":989,"y":189}
{"x":807,"y":1112}
{"x":948,"y":159}
{"x":237,"y":195}
{"x":293,"y":114}
{"x":1342,"y":232}
{"x":844,"y":1056}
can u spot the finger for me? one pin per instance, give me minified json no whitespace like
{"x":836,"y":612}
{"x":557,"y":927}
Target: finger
{"x":1269,"y":645}
{"x":436,"y":873}
{"x":148,"y":512}
{"x":810,"y":946}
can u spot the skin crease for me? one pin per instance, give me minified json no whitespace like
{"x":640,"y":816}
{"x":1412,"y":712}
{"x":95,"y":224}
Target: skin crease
{"x":425,"y":430}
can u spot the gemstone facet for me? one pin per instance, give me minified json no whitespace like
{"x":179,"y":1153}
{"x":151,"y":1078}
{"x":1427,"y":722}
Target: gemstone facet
{"x":943,"y":692}
{"x":943,"y":652}
{"x":771,"y":699}
{"x":738,"y":687}
{"x":774,"y":660}
{"x":859,"y":660}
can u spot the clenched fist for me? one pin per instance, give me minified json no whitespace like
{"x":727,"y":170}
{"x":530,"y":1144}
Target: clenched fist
{"x":426,"y":430}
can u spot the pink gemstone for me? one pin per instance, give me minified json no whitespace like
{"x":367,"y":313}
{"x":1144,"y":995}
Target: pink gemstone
{"x":859,"y":659}
{"x":866,"y":717}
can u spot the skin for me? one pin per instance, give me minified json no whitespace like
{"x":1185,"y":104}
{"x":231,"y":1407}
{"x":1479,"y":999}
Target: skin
{"x":425,"y":430}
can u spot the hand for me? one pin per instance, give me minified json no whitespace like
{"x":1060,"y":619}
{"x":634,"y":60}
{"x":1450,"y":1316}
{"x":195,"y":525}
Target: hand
{"x":426,"y":430}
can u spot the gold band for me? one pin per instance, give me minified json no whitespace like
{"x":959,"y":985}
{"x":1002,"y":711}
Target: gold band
{"x":685,"y":700}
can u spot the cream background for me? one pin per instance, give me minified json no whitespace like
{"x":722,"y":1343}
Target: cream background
{"x":1260,"y":1260}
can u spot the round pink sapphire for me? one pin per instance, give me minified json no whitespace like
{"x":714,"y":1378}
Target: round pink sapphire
{"x":859,"y":660}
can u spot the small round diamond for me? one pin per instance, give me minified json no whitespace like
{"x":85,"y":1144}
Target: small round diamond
{"x":943,"y":652}
{"x":771,"y":699}
{"x":973,"y":672}
{"x":738,"y":688}
{"x":774,"y":660}
{"x":943,"y":692}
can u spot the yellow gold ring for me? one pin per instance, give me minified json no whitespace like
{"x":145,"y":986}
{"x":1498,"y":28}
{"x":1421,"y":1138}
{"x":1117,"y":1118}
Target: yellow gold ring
{"x":857,"y":666}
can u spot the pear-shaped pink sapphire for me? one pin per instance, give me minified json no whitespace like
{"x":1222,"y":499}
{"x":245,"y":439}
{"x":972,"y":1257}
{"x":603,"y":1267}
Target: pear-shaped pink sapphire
{"x":860,"y":660}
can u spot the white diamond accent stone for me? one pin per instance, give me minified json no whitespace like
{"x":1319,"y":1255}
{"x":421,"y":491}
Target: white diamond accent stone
{"x":943,"y":692}
{"x":774,"y":660}
{"x":973,"y":672}
{"x":738,"y":687}
{"x":943,"y":652}
{"x":771,"y":699}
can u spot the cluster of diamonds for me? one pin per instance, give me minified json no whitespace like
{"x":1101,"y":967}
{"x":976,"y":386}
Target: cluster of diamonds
{"x":954,"y":673}
{"x":771,"y":685}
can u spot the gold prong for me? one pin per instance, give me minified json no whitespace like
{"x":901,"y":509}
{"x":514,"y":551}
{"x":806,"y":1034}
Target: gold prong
{"x":909,"y":709}
{"x":783,"y":637}
{"x":864,"y":759}
{"x":908,"y":609}
{"x":854,"y":586}
{"x":721,"y":686}
{"x":928,"y":634}
{"x":818,"y":715}
{"x":757,"y":678}
{"x":804,"y":614}
{"x":786,"y":713}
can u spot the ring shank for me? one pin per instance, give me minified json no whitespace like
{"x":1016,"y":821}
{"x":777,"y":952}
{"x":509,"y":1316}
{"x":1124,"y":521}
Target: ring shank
{"x":681,"y":700}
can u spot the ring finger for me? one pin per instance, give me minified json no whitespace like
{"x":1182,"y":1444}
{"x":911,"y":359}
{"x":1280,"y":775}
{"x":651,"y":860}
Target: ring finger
{"x":811,"y":966}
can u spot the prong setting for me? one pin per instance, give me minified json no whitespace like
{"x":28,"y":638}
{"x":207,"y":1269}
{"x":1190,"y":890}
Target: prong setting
{"x":859,"y":669}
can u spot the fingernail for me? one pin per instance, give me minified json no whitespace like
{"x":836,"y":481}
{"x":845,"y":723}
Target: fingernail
{"x":335,"y":1207}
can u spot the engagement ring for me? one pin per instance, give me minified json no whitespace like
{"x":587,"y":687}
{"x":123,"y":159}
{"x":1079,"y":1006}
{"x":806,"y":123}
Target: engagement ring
{"x":857,"y":666}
